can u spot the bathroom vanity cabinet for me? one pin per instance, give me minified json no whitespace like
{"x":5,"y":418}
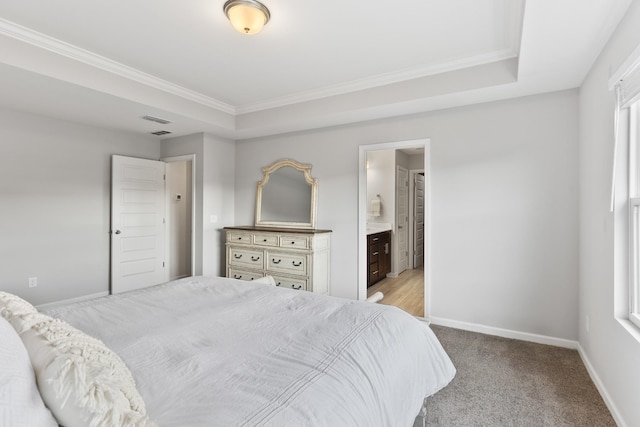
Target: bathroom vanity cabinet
{"x":378,"y":256}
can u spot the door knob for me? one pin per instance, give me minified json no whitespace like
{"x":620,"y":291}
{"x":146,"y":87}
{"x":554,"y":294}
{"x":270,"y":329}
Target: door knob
{"x":118,"y":231}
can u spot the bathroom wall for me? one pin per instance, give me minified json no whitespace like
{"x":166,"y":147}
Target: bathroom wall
{"x":381,"y":182}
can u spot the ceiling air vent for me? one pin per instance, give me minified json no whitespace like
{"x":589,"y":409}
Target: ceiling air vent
{"x":156,"y":119}
{"x":160,"y":132}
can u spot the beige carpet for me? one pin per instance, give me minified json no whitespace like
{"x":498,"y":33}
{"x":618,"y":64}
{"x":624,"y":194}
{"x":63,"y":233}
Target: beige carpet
{"x":504,"y":382}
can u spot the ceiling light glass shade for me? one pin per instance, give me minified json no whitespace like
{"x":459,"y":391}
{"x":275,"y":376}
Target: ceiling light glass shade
{"x":247,"y":16}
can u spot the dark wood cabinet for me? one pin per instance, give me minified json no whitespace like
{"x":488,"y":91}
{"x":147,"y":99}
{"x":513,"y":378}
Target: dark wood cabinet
{"x":378,"y":256}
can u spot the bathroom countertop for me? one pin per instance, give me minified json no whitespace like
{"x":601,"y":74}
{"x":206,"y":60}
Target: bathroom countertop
{"x":378,"y":227}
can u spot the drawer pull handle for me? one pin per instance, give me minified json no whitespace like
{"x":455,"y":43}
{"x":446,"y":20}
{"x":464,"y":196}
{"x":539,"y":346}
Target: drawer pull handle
{"x":375,"y":239}
{"x":375,"y":253}
{"x":273,"y":260}
{"x":255,"y":258}
{"x":293,"y":243}
{"x":264,"y":240}
{"x":296,"y":265}
{"x":298,"y":287}
{"x":239,"y":238}
{"x":235,"y":276}
{"x":237,"y":256}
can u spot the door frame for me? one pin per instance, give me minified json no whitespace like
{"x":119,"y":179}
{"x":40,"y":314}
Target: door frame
{"x":362,"y":213}
{"x":190,"y":158}
{"x":396,"y":227}
{"x":412,"y":194}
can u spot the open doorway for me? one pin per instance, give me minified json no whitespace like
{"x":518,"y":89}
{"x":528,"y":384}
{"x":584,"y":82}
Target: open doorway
{"x":180,"y":209}
{"x":398,"y":218}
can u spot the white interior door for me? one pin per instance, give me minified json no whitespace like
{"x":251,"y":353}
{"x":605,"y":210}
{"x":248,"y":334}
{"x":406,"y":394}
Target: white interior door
{"x":402,"y":218}
{"x":137,"y":223}
{"x":418,"y":220}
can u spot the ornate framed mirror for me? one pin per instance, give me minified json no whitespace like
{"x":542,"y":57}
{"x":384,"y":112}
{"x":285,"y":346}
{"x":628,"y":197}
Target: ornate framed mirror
{"x":287,"y":196}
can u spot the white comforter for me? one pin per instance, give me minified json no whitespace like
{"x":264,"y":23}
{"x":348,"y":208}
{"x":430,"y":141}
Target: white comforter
{"x":210,"y":351}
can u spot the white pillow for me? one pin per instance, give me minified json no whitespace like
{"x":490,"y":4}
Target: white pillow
{"x":20,"y":401}
{"x":80,"y":379}
{"x":266,"y":280}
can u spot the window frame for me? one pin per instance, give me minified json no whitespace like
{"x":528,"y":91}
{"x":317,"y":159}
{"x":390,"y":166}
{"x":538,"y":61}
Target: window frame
{"x":634,"y":239}
{"x":634,"y":214}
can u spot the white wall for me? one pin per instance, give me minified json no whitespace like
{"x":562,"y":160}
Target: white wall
{"x":381,"y":181}
{"x":55,"y":180}
{"x":416,"y":161}
{"x":503,"y":215}
{"x":504,"y":206}
{"x":614,"y":354}
{"x":219,"y":200}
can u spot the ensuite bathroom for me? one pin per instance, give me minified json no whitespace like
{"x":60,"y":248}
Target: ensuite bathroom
{"x":396,"y":227}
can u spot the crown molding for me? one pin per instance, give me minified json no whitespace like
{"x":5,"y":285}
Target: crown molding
{"x":379,"y":80}
{"x":43,"y":41}
{"x":59,"y":47}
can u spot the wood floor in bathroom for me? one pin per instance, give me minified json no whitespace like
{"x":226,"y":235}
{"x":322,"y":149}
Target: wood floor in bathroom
{"x":405,"y":291}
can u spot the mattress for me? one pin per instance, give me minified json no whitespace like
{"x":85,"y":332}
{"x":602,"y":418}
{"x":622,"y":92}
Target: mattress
{"x":210,"y":351}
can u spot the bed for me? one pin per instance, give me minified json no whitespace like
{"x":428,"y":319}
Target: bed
{"x":210,"y":351}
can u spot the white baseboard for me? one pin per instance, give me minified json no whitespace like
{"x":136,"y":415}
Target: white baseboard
{"x":600,"y":386}
{"x":505,"y":333}
{"x":69,"y":301}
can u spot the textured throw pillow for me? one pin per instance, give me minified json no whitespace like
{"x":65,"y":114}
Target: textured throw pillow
{"x":11,"y":305}
{"x":20,"y":401}
{"x":80,"y":379}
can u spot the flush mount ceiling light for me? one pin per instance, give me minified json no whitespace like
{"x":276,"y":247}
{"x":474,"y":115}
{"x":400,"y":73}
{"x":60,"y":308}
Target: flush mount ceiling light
{"x":247,"y":16}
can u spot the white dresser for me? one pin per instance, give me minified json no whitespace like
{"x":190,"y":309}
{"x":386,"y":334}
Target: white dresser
{"x":296,"y":258}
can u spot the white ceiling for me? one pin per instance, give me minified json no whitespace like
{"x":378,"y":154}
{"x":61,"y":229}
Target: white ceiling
{"x":316,"y":63}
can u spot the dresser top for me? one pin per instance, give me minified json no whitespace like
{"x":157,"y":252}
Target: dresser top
{"x":279,"y":230}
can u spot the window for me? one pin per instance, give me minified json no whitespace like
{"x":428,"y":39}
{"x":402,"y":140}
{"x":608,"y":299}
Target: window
{"x":626,"y":83}
{"x":634,"y":213}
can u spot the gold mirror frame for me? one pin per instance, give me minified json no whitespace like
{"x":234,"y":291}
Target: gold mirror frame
{"x":306,"y":170}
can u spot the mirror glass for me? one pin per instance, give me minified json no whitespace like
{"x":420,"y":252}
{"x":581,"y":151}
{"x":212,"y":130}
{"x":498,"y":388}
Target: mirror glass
{"x":286,"y":196}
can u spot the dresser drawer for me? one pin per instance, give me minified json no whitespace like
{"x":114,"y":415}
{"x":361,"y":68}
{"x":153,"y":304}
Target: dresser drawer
{"x":239,"y":237}
{"x":248,"y":258}
{"x":289,"y":283}
{"x":243,"y":275}
{"x":294,"y":242}
{"x":266,"y":240}
{"x":287,"y":263}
